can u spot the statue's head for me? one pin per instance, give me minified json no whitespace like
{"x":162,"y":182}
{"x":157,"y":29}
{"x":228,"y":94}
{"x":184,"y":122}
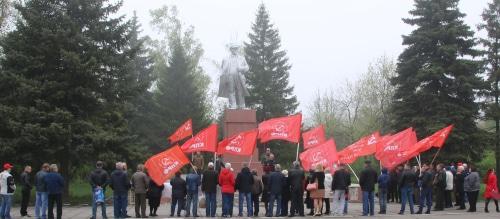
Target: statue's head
{"x":233,"y":48}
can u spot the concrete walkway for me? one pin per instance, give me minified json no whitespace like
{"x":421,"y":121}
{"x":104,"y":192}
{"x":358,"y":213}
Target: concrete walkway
{"x":84,"y":212}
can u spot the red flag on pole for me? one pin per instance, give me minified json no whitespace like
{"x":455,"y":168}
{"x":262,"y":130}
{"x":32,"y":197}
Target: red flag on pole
{"x":325,"y":154}
{"x":283,"y":128}
{"x":437,"y":140}
{"x":205,"y":140}
{"x":363,"y":147}
{"x":241,"y":144}
{"x":314,"y":137}
{"x":397,"y":149}
{"x":164,"y":165}
{"x":184,"y":131}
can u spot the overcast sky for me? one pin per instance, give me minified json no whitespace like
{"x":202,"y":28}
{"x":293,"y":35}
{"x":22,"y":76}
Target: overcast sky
{"x":327,"y":41}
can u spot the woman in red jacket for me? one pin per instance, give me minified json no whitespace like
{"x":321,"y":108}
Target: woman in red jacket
{"x":491,"y":191}
{"x":226,"y":182}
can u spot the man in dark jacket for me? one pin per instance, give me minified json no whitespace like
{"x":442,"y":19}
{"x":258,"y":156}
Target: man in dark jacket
{"x":55,"y":186}
{"x":296,"y":178}
{"x":407,"y":182}
{"x":383,"y":187}
{"x":244,"y":182}
{"x":209,"y":183}
{"x":439,"y":183}
{"x":275,"y":183}
{"x":340,"y":184}
{"x":193,"y":181}
{"x":120,"y":185}
{"x":26,"y":190}
{"x":367,"y":181}
{"x":459,"y":186}
{"x":425,"y":189}
{"x":178,"y":193}
{"x":41,"y":196}
{"x":99,"y":179}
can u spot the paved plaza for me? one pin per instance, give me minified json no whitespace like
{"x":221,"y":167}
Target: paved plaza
{"x":84,"y":212}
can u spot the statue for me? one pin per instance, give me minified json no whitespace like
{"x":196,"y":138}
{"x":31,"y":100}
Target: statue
{"x":232,"y":81}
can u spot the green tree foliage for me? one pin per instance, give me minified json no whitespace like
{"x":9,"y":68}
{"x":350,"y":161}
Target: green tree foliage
{"x":181,"y":88}
{"x":491,"y":43}
{"x":66,"y":82}
{"x":270,"y":92}
{"x":437,"y":80}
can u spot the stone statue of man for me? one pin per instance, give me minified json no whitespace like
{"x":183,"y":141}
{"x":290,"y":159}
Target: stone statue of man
{"x":232,"y":81}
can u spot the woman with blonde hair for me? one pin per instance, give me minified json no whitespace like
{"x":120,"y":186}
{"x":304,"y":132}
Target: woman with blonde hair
{"x":318,"y":194}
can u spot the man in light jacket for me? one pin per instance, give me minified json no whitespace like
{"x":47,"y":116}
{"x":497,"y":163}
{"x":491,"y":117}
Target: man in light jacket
{"x":7,"y":189}
{"x":140,"y":184}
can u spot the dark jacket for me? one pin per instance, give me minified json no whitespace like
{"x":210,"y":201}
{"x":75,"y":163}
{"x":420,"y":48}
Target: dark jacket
{"x":192,"y":182}
{"x":25,"y":181}
{"x":178,"y":187}
{"x":459,"y":182}
{"x":244,"y":181}
{"x":99,"y":177}
{"x":275,"y":183}
{"x":439,"y":180}
{"x":285,"y":193}
{"x":265,"y":190}
{"x":54,"y":182}
{"x":426,"y":179}
{"x":154,"y":190}
{"x":408,"y":179}
{"x":368,"y":179}
{"x":119,"y":182}
{"x":296,"y":178}
{"x":40,"y":185}
{"x":209,"y":181}
{"x":320,"y":178}
{"x":341,"y":180}
{"x":384,"y":180}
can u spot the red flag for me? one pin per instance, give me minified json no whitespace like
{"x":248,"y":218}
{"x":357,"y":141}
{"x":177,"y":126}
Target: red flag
{"x":314,"y":137}
{"x":184,"y":131}
{"x":437,"y":140}
{"x":363,"y":147}
{"x":164,"y":165}
{"x":397,"y":148}
{"x":205,"y":140}
{"x":283,"y":128}
{"x":325,"y":154}
{"x":241,"y":144}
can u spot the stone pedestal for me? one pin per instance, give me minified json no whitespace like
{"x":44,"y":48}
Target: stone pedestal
{"x":236,"y":121}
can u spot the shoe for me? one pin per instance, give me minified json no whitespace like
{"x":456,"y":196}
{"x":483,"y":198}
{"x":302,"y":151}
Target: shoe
{"x":486,"y":210}
{"x":291,"y":215}
{"x":401,"y":213}
{"x":461,"y":208}
{"x":171,"y":215}
{"x":311,"y":214}
{"x":428,"y":212}
{"x":419,"y":212}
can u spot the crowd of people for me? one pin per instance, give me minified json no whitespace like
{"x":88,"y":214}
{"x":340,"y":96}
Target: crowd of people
{"x":282,"y":191}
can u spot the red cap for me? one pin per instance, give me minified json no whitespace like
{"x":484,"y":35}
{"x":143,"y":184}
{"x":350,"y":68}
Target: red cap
{"x":7,"y":166}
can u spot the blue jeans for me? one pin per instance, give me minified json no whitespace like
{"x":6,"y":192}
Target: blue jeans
{"x":119,"y":205}
{"x":94,"y":206}
{"x":211,"y":203}
{"x":41,"y":204}
{"x":406,"y":194}
{"x":6,"y":201}
{"x":272,"y":198}
{"x":192,"y":198}
{"x":248,"y":199}
{"x":426,"y":198}
{"x":227,"y":203}
{"x":382,"y":197}
{"x":368,"y":203}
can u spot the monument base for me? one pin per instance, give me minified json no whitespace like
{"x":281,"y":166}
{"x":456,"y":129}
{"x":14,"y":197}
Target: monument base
{"x":236,"y":121}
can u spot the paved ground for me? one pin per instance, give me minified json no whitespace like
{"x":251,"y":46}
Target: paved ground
{"x":354,"y":212}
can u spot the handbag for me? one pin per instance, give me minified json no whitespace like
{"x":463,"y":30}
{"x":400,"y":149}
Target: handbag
{"x":312,"y":186}
{"x":98,"y":195}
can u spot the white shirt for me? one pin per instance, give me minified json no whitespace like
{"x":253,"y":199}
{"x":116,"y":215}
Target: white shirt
{"x":449,"y":180}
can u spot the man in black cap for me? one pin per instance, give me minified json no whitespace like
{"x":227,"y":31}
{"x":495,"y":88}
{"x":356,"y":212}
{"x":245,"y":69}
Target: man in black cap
{"x":367,"y":181}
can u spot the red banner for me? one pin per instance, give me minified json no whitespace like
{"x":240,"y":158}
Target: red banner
{"x":241,"y":144}
{"x":283,"y":128}
{"x":437,"y":140}
{"x":397,"y":148}
{"x":184,"y":131}
{"x":363,"y":147}
{"x":314,"y":137}
{"x":205,"y":140}
{"x":164,"y":165}
{"x":325,"y":154}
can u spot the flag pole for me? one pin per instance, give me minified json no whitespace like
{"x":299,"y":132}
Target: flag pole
{"x":250,"y":161}
{"x":297,"y":156}
{"x":435,"y":155}
{"x":353,"y":172}
{"x":192,"y":166}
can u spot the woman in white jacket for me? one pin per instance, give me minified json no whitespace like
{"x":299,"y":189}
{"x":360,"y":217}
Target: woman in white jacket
{"x":328,"y":190}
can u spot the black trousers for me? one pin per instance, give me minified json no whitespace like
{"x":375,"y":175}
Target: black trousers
{"x":460,"y":199}
{"x":472,"y":200}
{"x":297,"y":205}
{"x":327,"y":205}
{"x":447,"y":199}
{"x":57,"y":198}
{"x":154,"y":203}
{"x":25,"y":199}
{"x":255,"y":200}
{"x":439,"y":199}
{"x":284,"y":206}
{"x":140,"y":204}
